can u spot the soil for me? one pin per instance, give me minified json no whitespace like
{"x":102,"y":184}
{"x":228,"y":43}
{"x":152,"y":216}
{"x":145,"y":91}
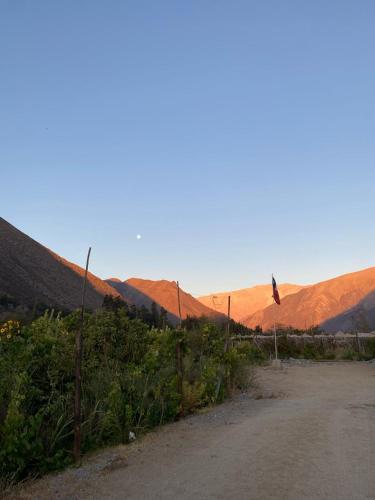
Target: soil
{"x":306,"y":432}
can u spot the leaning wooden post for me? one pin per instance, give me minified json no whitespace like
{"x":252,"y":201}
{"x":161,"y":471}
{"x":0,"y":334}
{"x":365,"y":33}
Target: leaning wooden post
{"x":78,"y":370}
{"x":179,"y":362}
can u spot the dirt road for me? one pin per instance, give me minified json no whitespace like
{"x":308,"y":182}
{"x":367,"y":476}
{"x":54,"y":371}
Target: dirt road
{"x":310,"y":435}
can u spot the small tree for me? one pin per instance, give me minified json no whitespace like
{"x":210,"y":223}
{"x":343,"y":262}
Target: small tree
{"x":155,"y":317}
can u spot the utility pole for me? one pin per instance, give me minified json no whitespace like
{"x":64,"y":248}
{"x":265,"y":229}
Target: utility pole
{"x":78,"y":372}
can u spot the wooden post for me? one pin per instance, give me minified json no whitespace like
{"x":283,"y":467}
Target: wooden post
{"x":275,"y":337}
{"x":228,"y":317}
{"x":179,"y":303}
{"x":356,"y":334}
{"x":179,"y":361}
{"x":78,"y":370}
{"x":227,"y":340}
{"x":358,"y":342}
{"x":226,"y":347}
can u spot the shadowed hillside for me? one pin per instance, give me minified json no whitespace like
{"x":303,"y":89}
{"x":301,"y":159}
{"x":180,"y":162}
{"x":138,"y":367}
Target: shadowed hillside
{"x":32,"y":273}
{"x":247,"y":300}
{"x":319,"y":303}
{"x":360,"y":318}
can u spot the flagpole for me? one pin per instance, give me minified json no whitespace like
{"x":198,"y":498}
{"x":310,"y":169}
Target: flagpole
{"x":274,"y":324}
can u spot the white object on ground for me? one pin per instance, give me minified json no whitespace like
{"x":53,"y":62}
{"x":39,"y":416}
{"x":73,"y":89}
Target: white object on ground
{"x":132,"y":436}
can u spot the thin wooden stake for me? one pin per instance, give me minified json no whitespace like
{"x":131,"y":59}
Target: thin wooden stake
{"x":274,"y":333}
{"x":179,"y":303}
{"x":78,"y":372}
{"x":179,"y":361}
{"x":226,"y":347}
{"x":355,"y":331}
{"x":228,"y":319}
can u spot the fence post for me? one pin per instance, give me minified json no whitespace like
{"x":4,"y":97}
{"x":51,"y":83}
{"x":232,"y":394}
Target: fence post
{"x":226,"y":347}
{"x":78,"y":372}
{"x":179,"y":360}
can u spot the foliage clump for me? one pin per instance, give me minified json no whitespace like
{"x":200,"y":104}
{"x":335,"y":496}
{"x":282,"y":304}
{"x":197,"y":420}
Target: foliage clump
{"x":129,"y":381}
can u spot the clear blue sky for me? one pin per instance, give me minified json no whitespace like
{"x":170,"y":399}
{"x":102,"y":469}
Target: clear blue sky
{"x":236,"y":137}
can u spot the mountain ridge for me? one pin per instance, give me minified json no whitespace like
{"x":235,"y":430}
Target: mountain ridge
{"x":319,"y":303}
{"x":164,"y":293}
{"x":31,"y":272}
{"x":246,"y":301}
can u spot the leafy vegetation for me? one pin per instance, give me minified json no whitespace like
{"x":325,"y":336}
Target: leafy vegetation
{"x":138,"y":372}
{"x":129,"y":376}
{"x":322,"y":348}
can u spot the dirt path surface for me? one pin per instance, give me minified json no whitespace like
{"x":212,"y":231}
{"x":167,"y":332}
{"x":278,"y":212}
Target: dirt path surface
{"x":309,"y":435}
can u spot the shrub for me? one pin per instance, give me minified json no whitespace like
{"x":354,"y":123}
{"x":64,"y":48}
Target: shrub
{"x":129,"y":382}
{"x":370,"y":348}
{"x":349,"y":354}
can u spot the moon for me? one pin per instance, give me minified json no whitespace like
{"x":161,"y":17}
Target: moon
{"x":139,"y":236}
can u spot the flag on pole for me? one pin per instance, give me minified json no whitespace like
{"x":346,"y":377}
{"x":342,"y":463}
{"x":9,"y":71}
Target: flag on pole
{"x":275,"y":291}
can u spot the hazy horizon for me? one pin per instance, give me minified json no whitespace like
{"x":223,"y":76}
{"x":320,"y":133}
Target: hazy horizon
{"x":236,"y":139}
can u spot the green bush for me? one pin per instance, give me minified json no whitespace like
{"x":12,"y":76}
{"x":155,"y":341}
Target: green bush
{"x":370,"y":348}
{"x":349,"y":354}
{"x":329,"y":355}
{"x":129,"y":383}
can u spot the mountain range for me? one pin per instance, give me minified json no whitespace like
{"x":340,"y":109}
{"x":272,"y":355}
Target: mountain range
{"x":246,"y":301}
{"x":141,"y":292}
{"x":343,"y":303}
{"x":30,"y":273}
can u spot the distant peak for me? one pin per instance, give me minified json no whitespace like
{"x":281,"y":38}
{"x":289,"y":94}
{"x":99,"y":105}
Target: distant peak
{"x":143,"y":280}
